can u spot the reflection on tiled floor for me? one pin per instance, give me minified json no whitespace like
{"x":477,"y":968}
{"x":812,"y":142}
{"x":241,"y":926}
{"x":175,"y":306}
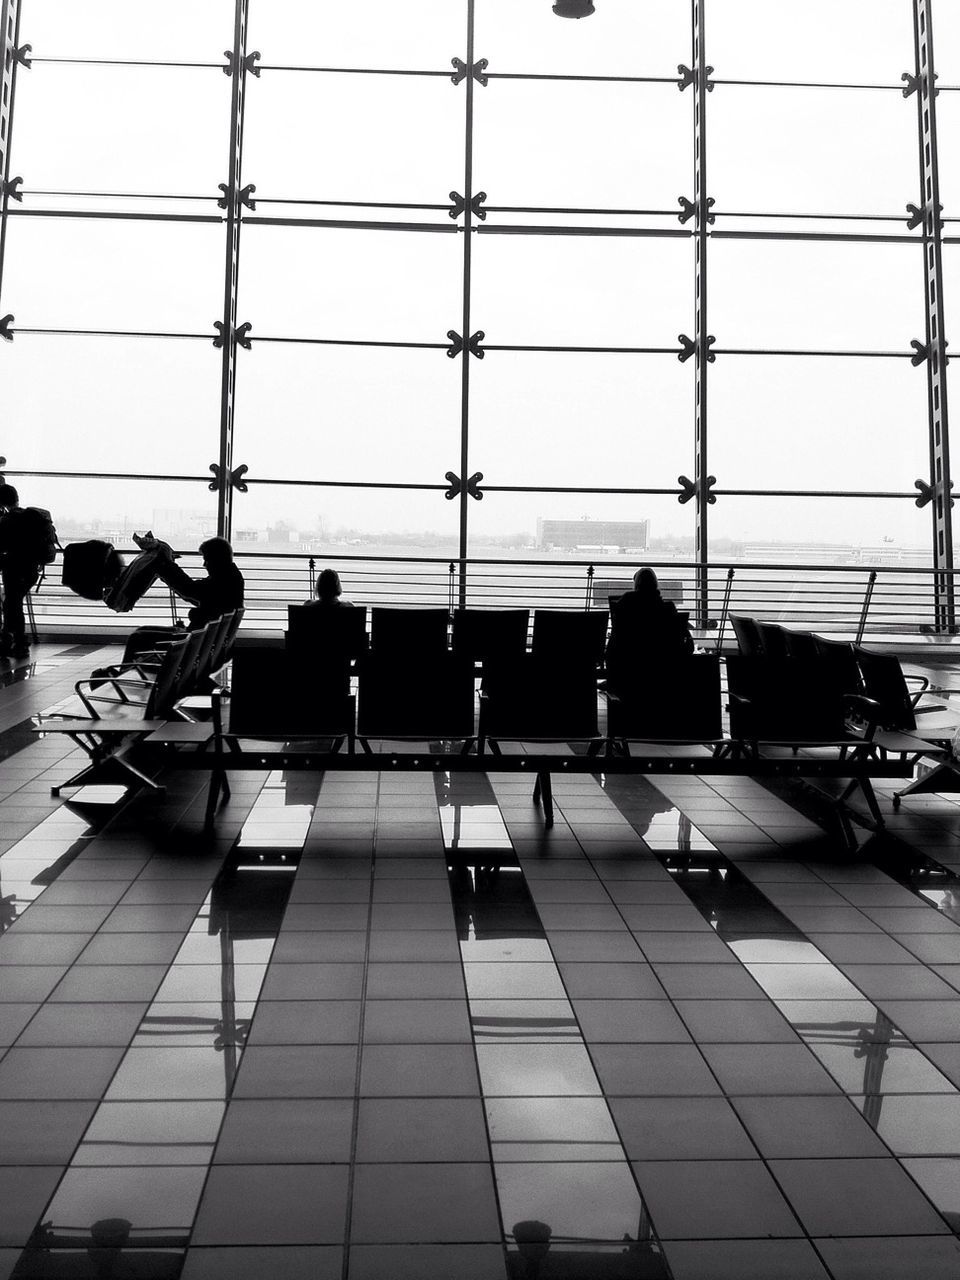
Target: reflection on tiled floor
{"x":386,"y":1026}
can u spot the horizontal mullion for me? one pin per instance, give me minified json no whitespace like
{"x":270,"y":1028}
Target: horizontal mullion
{"x":839,"y":237}
{"x":353,"y":342}
{"x":441,"y":227}
{"x":117,"y":215}
{"x":115,"y":195}
{"x":351,"y":204}
{"x":107,"y":475}
{"x":682,"y":233}
{"x":127,"y":62}
{"x":344,"y":484}
{"x":815,"y":493}
{"x":805,"y":84}
{"x":111,"y":333}
{"x":355,"y":71}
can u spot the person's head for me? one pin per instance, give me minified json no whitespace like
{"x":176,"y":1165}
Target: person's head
{"x":645,"y":582}
{"x":328,"y":585}
{"x":217,"y":554}
{"x":9,"y":498}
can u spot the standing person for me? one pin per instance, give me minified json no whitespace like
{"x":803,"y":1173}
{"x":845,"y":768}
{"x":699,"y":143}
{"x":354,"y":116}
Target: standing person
{"x":645,"y":631}
{"x":28,"y":541}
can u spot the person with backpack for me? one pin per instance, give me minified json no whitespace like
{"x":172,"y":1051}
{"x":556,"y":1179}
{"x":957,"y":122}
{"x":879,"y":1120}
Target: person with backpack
{"x":28,"y":542}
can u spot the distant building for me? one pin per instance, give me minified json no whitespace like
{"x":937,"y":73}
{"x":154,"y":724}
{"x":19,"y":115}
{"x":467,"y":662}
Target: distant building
{"x":592,"y":535}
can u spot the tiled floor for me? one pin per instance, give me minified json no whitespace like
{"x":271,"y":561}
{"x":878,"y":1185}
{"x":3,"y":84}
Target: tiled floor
{"x":385,"y":1027}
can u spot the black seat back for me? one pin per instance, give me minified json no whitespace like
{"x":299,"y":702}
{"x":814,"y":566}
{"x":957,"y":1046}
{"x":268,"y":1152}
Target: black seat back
{"x":427,"y":699}
{"x":800,"y":644}
{"x":883,"y":682}
{"x":319,"y":631}
{"x":533,"y":697}
{"x":680,"y":702}
{"x":773,"y":640}
{"x":408,"y":633}
{"x":569,"y":634}
{"x":747,"y":632}
{"x":273,"y":695}
{"x":785,"y":700}
{"x":484,"y":634}
{"x":841,"y":656}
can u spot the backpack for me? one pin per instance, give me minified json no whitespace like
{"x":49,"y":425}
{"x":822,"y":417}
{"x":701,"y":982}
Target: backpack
{"x":91,"y":568}
{"x":136,"y":579}
{"x":36,"y":537}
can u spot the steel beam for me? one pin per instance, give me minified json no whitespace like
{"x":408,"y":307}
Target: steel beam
{"x":945,"y":617}
{"x":232,"y":200}
{"x":700,"y":85}
{"x":465,"y":357}
{"x":9,"y":37}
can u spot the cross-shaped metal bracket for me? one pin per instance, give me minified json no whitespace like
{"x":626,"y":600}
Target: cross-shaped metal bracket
{"x":473,"y":344}
{"x":244,"y":196}
{"x":912,"y":83}
{"x":917,"y":213}
{"x":249,"y":63}
{"x":921,"y":352}
{"x":688,"y":348}
{"x":690,"y":489}
{"x":240,"y":334}
{"x":688,"y":76}
{"x":234,"y":479}
{"x":457,"y":486}
{"x":5,"y":331}
{"x":460,"y":70}
{"x":688,"y":209}
{"x":928,"y":492}
{"x":459,"y":204}
{"x":22,"y":56}
{"x":9,"y":188}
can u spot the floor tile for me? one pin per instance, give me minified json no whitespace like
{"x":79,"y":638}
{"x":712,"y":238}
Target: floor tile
{"x":651,"y":1070}
{"x":297,"y":1071}
{"x":425,"y":1262}
{"x":252,"y":1262}
{"x":416,"y":1022}
{"x":743,"y":1259}
{"x":23,"y":1194}
{"x":306,"y":1022}
{"x":767,"y":1069}
{"x":418,"y":1070}
{"x":855,"y":1198}
{"x":435,"y":1203}
{"x":273,"y":1204}
{"x":44,"y":1135}
{"x":399,"y":1131}
{"x":713,"y":1199}
{"x":83,"y":1024}
{"x":807,"y":1126}
{"x":932,"y":1257}
{"x":289,"y":1131}
{"x":78,"y":1073}
{"x":682,"y":1128}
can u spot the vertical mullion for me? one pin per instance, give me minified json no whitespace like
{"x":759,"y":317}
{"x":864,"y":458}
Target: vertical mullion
{"x":231,"y":265}
{"x":465,"y":318}
{"x":702,"y":546}
{"x":939,"y":436}
{"x":9,"y":37}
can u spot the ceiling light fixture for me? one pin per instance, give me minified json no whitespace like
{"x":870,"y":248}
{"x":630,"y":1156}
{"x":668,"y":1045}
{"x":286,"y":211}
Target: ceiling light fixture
{"x":573,"y":8}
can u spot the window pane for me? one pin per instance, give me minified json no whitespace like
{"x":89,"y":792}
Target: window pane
{"x":87,"y":274}
{"x":189,"y":30}
{"x":396,"y":138}
{"x":349,"y":521}
{"x":621,"y":38}
{"x":418,"y":34}
{"x":126,"y":129}
{"x":818,"y":40}
{"x":605,"y":420}
{"x":948,"y":148}
{"x":182,"y":514}
{"x":337,"y":283}
{"x":825,"y":530}
{"x":590,"y":290}
{"x":580,"y":144}
{"x":811,"y":423}
{"x":111,"y":404}
{"x":946,"y":43}
{"x":347,"y":413}
{"x":816,"y":295}
{"x":823,"y":152}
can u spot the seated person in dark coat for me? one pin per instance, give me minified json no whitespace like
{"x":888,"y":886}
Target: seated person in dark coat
{"x":646,"y":632}
{"x":220,"y":592}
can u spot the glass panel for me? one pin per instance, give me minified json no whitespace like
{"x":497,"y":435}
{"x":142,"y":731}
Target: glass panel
{"x":188,"y":31}
{"x":125,"y":129}
{"x":114,"y":404}
{"x":155,"y":277}
{"x":818,"y":296}
{"x":347,"y":413}
{"x":397,"y":138}
{"x":583,"y":145}
{"x":826,"y":530}
{"x":583,"y":290}
{"x":605,"y":420}
{"x":337,"y":283}
{"x":622,"y":38}
{"x":812,"y":423}
{"x":367,"y":522}
{"x":823,"y":152}
{"x":418,"y":34}
{"x":594,"y":527}
{"x":948,"y":148}
{"x":179,"y":512}
{"x":951,"y":295}
{"x":946,"y":44}
{"x":818,"y":40}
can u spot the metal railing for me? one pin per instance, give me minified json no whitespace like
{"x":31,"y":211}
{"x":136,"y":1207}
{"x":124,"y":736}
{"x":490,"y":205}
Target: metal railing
{"x":891,"y":604}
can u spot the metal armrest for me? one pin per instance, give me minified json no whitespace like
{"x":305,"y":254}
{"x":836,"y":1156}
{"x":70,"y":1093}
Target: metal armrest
{"x":924,"y":685}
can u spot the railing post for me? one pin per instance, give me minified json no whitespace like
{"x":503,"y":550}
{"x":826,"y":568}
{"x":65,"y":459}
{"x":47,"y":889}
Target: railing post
{"x":945,"y":616}
{"x":865,"y":607}
{"x":451,"y":572}
{"x":312,"y":571}
{"x":728,"y":589}
{"x":588,"y":598}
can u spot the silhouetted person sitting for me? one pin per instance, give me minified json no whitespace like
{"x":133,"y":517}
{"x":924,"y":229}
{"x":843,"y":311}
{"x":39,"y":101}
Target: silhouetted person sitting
{"x":329,"y":592}
{"x":646,"y":631}
{"x":220,"y":592}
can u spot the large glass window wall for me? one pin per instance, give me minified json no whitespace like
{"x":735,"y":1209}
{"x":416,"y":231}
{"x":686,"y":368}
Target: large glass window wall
{"x":374,"y":250}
